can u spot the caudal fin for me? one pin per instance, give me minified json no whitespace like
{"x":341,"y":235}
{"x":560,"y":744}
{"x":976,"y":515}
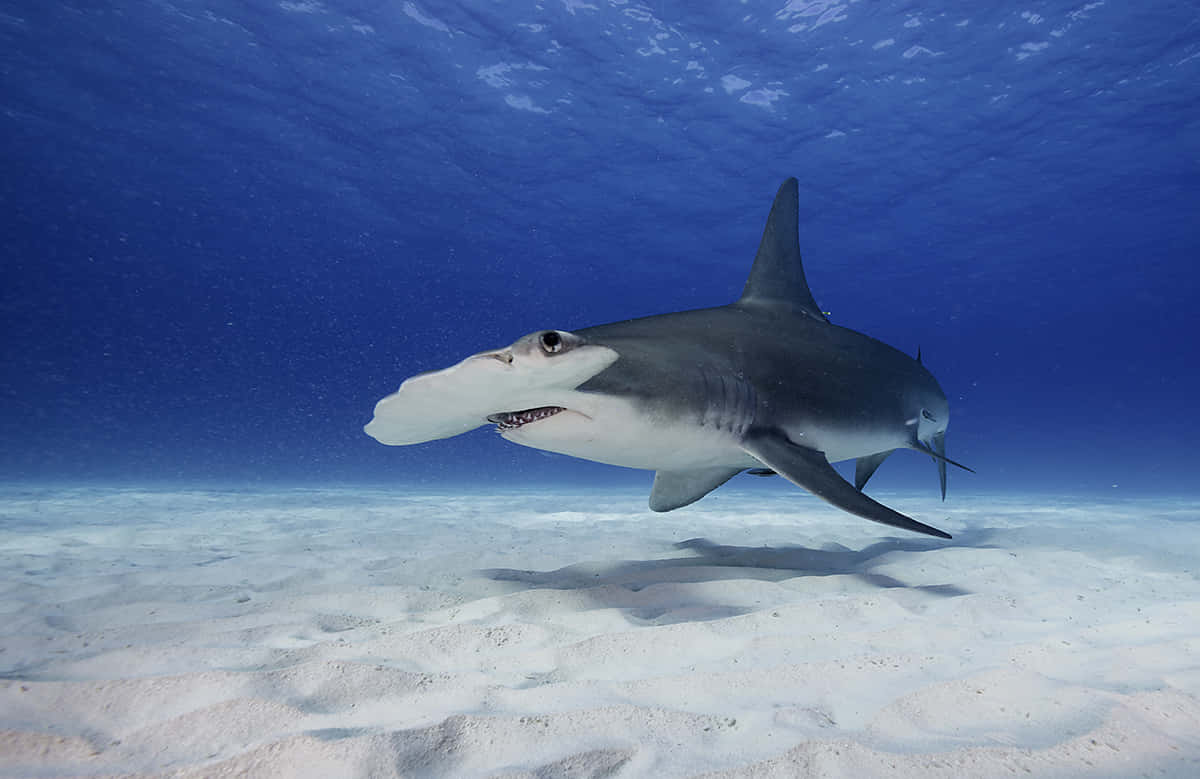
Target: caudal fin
{"x":936,"y":448}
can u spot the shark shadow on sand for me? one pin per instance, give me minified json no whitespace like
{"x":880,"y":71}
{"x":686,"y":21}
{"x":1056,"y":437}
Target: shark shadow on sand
{"x":665,"y":591}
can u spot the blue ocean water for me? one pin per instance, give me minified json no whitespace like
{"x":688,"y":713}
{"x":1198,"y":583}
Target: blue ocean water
{"x":231,"y":227}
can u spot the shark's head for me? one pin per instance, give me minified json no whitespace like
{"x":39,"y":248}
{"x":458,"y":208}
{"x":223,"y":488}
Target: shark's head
{"x":522,"y":387}
{"x":544,"y":369}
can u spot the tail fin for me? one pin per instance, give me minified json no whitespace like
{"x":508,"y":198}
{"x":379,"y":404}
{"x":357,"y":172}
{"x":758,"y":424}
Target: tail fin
{"x":938,"y":452}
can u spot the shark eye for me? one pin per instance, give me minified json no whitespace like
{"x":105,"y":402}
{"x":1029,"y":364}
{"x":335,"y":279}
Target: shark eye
{"x":551,"y":342}
{"x":925,"y":413}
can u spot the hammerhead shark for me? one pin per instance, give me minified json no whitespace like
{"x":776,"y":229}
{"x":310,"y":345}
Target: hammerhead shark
{"x":766,"y":383}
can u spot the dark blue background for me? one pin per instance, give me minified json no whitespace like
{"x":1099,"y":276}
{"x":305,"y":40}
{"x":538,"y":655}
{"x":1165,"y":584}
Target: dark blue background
{"x":231,"y":227}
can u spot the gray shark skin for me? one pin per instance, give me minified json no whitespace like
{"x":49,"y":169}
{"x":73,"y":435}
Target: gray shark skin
{"x":765,"y":383}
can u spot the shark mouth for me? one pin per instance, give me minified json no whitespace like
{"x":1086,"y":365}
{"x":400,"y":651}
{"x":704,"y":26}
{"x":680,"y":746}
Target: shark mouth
{"x":511,"y":420}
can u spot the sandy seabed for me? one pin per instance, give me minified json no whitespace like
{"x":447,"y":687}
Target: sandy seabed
{"x":327,"y":633}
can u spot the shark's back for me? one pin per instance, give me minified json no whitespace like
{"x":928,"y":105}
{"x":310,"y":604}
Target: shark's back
{"x":799,"y":368}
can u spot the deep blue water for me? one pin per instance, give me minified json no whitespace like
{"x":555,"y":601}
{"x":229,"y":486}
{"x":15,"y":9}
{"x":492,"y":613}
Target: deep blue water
{"x":231,"y":227}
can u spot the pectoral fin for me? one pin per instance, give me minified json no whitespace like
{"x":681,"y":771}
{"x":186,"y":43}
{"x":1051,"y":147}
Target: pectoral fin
{"x":809,"y":469}
{"x":673,"y":489}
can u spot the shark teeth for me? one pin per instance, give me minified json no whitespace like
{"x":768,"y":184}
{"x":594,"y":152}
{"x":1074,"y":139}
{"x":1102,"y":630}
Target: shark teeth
{"x":511,"y":420}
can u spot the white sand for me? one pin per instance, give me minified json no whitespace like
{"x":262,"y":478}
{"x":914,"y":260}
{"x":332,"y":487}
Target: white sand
{"x":357,"y":633}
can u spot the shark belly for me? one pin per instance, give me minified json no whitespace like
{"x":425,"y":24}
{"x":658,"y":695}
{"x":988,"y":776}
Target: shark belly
{"x":618,"y":431}
{"x":838,"y":445}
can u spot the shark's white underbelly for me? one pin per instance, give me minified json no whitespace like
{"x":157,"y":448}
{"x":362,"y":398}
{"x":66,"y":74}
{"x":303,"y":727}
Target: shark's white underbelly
{"x":841,"y":445}
{"x":614,"y":431}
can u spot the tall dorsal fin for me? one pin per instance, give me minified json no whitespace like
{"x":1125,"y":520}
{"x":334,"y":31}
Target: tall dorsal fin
{"x":777,"y":278}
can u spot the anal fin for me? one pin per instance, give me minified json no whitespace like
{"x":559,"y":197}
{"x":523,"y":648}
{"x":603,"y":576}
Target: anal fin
{"x":865,"y":467}
{"x":674,"y":489}
{"x":809,"y":469}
